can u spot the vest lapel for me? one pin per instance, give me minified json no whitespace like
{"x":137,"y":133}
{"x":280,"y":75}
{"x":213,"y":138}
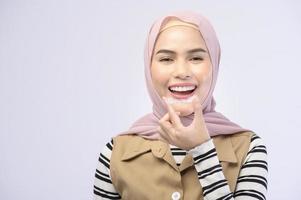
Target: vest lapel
{"x":161,"y":150}
{"x":224,"y":148}
{"x":138,"y":146}
{"x":186,"y":163}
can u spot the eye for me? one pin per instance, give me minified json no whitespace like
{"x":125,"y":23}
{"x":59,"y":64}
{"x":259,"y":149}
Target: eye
{"x":197,"y":58}
{"x":165,"y":60}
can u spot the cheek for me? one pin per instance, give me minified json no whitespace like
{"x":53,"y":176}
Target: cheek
{"x":160,"y":77}
{"x":204,"y":74}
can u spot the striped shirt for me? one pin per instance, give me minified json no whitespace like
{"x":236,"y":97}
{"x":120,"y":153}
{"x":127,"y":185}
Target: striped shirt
{"x":251,"y":183}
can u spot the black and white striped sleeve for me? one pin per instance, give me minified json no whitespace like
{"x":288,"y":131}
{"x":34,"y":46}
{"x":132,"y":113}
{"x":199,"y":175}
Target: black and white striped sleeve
{"x":103,"y":187}
{"x":251,"y":183}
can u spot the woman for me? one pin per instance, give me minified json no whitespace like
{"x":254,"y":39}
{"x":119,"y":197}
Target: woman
{"x":184,"y":149}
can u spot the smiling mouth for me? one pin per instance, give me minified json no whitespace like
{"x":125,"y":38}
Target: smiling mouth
{"x":182,"y":92}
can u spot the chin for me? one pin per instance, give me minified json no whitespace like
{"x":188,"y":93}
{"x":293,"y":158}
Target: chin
{"x":184,"y":108}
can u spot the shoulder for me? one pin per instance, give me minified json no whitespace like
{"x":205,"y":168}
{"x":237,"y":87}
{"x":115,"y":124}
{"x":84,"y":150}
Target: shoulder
{"x":128,"y":141}
{"x":238,"y":141}
{"x":242,"y":139}
{"x":117,"y":143}
{"x":107,"y":149}
{"x":105,"y":154}
{"x":257,"y":153}
{"x":126,"y":138}
{"x":248,"y":138}
{"x":116,"y":140}
{"x":244,"y":135}
{"x":257,"y":145}
{"x":256,"y":140}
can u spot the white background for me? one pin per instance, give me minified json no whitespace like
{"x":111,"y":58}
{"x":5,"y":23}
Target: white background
{"x":72,"y":76}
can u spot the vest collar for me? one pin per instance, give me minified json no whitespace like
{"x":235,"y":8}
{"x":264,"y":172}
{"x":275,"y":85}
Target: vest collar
{"x":138,"y":145}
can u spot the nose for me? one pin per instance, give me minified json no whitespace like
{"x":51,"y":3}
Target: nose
{"x":182,"y":70}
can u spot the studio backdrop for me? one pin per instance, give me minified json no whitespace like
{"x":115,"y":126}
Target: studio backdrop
{"x":72,"y":76}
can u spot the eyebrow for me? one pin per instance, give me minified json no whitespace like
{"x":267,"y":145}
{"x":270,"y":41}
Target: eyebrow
{"x":172,"y":52}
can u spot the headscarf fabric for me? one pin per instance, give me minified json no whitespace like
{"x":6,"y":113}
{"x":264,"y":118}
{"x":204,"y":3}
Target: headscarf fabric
{"x":216,"y":123}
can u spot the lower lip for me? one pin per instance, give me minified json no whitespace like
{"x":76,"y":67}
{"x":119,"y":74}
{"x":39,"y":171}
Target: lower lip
{"x":182,"y":96}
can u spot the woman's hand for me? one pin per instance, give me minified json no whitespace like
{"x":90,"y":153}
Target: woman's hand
{"x":174,"y":132}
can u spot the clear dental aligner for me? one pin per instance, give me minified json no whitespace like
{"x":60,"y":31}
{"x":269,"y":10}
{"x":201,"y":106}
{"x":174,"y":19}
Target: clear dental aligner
{"x":171,"y":100}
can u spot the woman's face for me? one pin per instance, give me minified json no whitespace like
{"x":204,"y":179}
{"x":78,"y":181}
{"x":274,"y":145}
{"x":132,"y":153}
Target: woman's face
{"x":181,"y":67}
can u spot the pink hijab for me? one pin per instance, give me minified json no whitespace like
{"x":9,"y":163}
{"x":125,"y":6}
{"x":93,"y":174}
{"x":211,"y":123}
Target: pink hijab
{"x":217,"y":123}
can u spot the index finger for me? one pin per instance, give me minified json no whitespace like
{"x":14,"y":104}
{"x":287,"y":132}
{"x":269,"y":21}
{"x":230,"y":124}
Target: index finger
{"x":172,"y":114}
{"x":198,"y":111}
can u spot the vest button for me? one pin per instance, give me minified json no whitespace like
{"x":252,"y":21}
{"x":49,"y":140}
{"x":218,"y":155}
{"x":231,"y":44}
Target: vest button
{"x":175,"y":196}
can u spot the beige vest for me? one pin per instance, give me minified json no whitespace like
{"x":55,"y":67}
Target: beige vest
{"x":144,"y":169}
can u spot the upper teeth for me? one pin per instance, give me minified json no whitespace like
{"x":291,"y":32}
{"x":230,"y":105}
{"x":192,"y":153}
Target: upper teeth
{"x":182,"y":88}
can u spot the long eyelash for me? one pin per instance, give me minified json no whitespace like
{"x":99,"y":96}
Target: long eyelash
{"x":198,"y":58}
{"x":165,"y":59}
{"x":169,"y":59}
